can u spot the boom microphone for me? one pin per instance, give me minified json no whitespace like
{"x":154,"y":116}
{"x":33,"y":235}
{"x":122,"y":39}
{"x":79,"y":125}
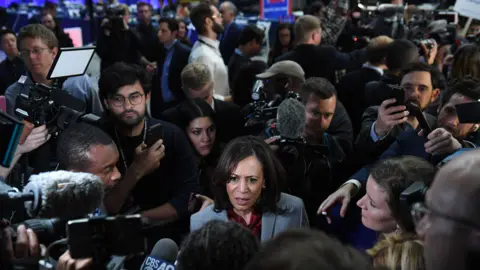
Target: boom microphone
{"x":63,"y":194}
{"x":291,"y":118}
{"x":163,"y":256}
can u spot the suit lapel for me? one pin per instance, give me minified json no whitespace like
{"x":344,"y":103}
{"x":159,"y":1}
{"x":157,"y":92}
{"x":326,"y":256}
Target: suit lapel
{"x":268,"y":225}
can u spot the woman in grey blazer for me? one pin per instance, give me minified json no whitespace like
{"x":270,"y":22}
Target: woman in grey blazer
{"x":247,"y":183}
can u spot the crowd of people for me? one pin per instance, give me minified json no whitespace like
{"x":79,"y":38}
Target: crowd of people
{"x":182,"y":141}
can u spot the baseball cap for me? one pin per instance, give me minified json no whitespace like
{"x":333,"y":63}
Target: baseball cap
{"x":287,"y":67}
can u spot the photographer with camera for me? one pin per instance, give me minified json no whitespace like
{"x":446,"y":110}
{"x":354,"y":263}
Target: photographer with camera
{"x":117,"y":42}
{"x":39,"y":47}
{"x":288,"y":76}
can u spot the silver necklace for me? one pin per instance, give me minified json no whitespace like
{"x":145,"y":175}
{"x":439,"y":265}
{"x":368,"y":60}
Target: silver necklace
{"x":120,"y":145}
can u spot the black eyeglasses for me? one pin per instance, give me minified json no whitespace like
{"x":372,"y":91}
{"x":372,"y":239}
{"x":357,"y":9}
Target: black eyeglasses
{"x":420,"y":213}
{"x":119,"y":101}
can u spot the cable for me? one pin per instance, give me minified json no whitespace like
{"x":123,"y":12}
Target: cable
{"x":63,"y":241}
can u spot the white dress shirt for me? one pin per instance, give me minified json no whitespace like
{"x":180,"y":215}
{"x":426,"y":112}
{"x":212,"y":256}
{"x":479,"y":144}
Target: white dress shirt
{"x":206,"y":51}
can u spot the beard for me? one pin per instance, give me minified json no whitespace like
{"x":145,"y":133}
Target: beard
{"x":130,"y":121}
{"x":217,"y":28}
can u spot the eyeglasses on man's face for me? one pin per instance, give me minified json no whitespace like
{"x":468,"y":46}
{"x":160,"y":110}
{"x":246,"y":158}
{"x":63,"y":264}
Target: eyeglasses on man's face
{"x":119,"y":100}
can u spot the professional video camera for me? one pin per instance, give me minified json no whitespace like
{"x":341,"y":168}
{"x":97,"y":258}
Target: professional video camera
{"x":54,"y":106}
{"x":263,"y":109}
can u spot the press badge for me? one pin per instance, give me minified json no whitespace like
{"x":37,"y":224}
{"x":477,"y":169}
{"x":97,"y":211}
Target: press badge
{"x":22,"y":79}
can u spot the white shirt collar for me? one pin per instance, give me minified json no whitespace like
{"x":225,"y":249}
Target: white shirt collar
{"x":210,"y":42}
{"x":213,"y":104}
{"x":370,"y":66}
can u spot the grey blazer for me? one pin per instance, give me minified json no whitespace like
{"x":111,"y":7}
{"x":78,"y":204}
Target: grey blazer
{"x":272,"y":224}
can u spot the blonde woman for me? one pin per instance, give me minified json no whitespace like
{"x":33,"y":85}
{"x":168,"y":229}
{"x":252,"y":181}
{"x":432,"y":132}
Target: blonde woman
{"x":399,"y":252}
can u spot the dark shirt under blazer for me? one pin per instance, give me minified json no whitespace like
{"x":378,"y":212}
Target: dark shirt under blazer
{"x":272,"y":224}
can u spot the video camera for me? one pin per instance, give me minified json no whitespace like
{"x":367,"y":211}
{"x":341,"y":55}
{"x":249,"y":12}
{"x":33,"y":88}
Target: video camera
{"x":263,"y":109}
{"x":54,"y":106}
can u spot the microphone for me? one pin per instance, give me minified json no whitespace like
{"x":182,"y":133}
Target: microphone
{"x":163,"y":256}
{"x":291,"y":118}
{"x":414,"y":110}
{"x":63,"y":194}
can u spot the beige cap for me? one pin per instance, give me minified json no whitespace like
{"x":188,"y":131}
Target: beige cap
{"x":286,"y":67}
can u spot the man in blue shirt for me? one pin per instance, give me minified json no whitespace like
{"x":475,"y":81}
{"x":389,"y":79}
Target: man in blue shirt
{"x":167,"y":87}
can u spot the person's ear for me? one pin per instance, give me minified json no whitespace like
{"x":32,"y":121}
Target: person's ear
{"x":435,"y":94}
{"x":147,"y":98}
{"x":105,"y":103}
{"x":54,"y":52}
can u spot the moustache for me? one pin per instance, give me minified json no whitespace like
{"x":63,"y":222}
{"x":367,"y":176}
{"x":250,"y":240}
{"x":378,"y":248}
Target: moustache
{"x":130,"y":111}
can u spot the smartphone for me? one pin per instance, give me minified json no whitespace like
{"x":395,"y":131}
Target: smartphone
{"x":468,"y":112}
{"x":120,"y":235}
{"x":154,"y":133}
{"x":396,"y":92}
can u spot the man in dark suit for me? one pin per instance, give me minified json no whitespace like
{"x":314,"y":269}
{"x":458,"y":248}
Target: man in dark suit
{"x":250,"y":44}
{"x":229,"y":38}
{"x":351,"y":88}
{"x":167,"y":86}
{"x":147,"y":33}
{"x":197,"y":82}
{"x":319,"y":61}
{"x":12,"y":67}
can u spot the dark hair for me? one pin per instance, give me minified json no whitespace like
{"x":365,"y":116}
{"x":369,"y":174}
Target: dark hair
{"x":171,"y":23}
{"x":219,"y":245}
{"x":120,"y":74}
{"x":277,"y":45}
{"x":395,"y":175}
{"x":307,"y":249}
{"x":273,"y":173}
{"x":4,"y":32}
{"x":315,"y":7}
{"x":75,"y":142}
{"x":319,"y":87}
{"x":190,"y":110}
{"x":244,"y":81}
{"x":435,"y":74}
{"x":38,"y":31}
{"x":142,"y":4}
{"x":249,"y":33}
{"x":467,"y":86}
{"x":466,"y":62}
{"x":198,"y":15}
{"x":400,"y":54}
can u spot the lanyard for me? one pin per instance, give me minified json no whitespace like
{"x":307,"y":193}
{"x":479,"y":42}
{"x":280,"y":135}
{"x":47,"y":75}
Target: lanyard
{"x":124,"y":159}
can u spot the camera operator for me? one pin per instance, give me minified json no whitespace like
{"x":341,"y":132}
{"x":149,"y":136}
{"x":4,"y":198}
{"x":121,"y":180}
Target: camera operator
{"x":285,"y":76}
{"x":449,"y":219}
{"x":39,"y":47}
{"x":447,"y":138}
{"x":117,"y":42}
{"x":316,"y":171}
{"x":159,"y":167}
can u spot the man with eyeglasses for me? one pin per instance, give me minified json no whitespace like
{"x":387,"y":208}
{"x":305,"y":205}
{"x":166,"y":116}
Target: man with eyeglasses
{"x":208,"y":23}
{"x":449,"y":220}
{"x":158,"y":178}
{"x":38,"y":48}
{"x":447,"y":137}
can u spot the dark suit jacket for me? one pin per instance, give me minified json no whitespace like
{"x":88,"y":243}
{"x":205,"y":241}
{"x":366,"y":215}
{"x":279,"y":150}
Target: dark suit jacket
{"x":179,"y":60}
{"x":323,"y":61}
{"x":229,"y":42}
{"x":366,"y":149}
{"x":236,"y":62}
{"x":351,"y":91}
{"x":230,"y":122}
{"x":341,"y":128}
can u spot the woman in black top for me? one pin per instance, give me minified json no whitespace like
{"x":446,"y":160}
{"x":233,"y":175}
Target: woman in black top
{"x":197,"y":120}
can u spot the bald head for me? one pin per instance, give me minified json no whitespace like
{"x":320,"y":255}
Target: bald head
{"x":228,"y":11}
{"x":456,"y":188}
